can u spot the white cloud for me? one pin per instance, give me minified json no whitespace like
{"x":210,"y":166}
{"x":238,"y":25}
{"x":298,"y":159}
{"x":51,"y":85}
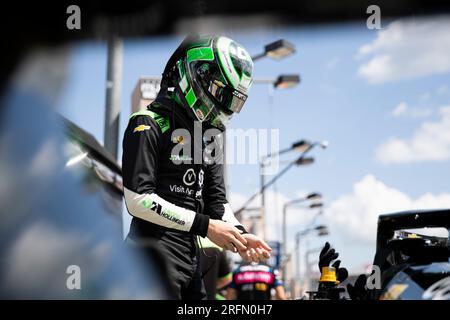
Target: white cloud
{"x":407,"y":49}
{"x":356,"y":214}
{"x":400,"y":109}
{"x":404,"y":110}
{"x":431,"y":142}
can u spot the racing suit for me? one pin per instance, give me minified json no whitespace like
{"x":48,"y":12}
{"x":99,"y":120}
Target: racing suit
{"x":170,"y":196}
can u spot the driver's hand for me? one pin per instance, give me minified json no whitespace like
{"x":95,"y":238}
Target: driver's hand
{"x":257,"y":249}
{"x":226,"y":236}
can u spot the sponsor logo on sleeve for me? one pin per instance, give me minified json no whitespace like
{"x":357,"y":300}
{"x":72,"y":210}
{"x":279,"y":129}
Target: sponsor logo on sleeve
{"x":141,"y":128}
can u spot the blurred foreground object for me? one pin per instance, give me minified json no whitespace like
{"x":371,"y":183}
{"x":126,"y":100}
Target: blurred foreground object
{"x":57,"y":213}
{"x":40,"y":24}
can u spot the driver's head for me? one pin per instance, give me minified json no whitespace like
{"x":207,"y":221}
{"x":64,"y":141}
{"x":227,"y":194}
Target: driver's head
{"x":212,"y":76}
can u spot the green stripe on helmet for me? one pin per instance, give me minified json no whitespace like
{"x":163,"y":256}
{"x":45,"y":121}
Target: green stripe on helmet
{"x":191,"y":98}
{"x":203,"y":53}
{"x":184,"y":84}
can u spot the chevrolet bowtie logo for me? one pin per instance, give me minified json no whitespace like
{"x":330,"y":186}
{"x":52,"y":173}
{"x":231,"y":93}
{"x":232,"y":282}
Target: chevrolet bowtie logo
{"x":140,"y":128}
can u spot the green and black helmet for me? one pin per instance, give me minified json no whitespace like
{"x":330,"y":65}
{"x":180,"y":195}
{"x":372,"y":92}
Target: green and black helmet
{"x":212,"y":76}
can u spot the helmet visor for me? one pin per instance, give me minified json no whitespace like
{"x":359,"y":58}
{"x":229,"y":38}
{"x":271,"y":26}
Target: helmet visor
{"x":227,"y":97}
{"x":221,"y":94}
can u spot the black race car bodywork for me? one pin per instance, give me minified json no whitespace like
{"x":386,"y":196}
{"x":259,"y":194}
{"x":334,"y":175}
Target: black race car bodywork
{"x":413,"y":266}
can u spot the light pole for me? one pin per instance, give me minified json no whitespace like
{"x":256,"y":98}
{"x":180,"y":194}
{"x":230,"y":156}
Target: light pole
{"x":308,"y":264}
{"x":113,"y":92}
{"x":302,"y":160}
{"x":276,"y":50}
{"x":309,"y":197}
{"x":299,"y":146}
{"x":304,"y":147}
{"x":321,"y":230}
{"x":283,"y":81}
{"x":298,"y":162}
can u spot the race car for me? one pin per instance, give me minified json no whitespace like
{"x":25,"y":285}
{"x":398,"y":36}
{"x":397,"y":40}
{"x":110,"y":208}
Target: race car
{"x":412,"y":261}
{"x":413,"y":251}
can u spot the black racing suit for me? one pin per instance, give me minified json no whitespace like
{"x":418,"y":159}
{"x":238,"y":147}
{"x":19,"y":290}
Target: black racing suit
{"x":170,"y":196}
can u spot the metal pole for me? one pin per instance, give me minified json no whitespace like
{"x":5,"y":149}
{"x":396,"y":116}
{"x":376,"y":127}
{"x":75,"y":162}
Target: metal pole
{"x":113,"y":93}
{"x":258,"y":56}
{"x":297,"y":269}
{"x":284,"y":242}
{"x":265,"y":186}
{"x":263,"y":201}
{"x":297,"y":256}
{"x":263,"y":194}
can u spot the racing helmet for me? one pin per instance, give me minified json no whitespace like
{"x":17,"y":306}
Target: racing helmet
{"x":212,"y":77}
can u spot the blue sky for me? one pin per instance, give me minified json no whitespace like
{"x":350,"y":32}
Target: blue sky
{"x":353,"y":79}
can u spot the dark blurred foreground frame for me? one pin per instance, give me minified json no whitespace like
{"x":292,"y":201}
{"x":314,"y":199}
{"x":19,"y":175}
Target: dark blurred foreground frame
{"x":36,"y":23}
{"x":59,"y":212}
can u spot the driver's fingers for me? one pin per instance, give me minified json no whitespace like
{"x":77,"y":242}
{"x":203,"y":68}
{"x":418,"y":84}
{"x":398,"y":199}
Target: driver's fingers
{"x":254,"y":255}
{"x":259,"y":251}
{"x":239,"y":236}
{"x":248,"y":255}
{"x":263,"y":253}
{"x":265,"y":245}
{"x":237,"y":243}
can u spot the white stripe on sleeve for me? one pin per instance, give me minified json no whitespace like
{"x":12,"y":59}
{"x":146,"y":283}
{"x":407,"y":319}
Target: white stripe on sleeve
{"x":153,"y":208}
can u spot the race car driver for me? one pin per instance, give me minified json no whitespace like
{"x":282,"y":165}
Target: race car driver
{"x":173,"y":181}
